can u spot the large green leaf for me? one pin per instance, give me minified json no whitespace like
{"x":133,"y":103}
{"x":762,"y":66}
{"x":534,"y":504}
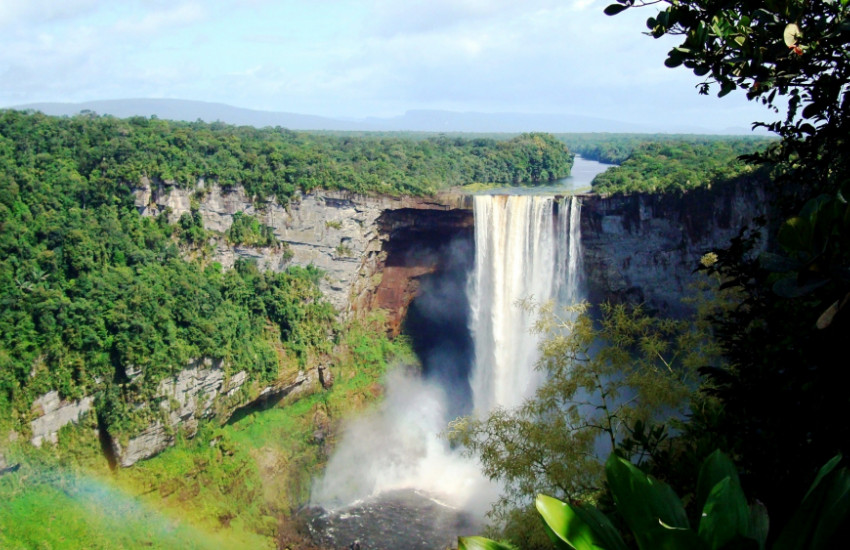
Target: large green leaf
{"x":481,"y":543}
{"x":725,"y":514}
{"x":604,"y":530}
{"x":824,"y":509}
{"x":759,"y":524}
{"x":795,"y":235}
{"x":825,"y":470}
{"x":835,"y":512}
{"x":568,"y":527}
{"x":650,"y":508}
{"x":714,"y":469}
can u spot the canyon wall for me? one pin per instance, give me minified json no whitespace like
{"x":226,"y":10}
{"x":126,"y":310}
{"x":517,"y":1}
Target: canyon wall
{"x":372,"y":250}
{"x":643,"y":248}
{"x":343,"y":234}
{"x":639,"y":248}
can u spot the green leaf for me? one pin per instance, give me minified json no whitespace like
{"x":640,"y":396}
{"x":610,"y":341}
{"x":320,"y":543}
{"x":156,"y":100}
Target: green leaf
{"x":725,"y":88}
{"x":480,"y":543}
{"x":578,"y":527}
{"x":778,"y":263}
{"x":646,"y":504}
{"x":825,"y":470}
{"x":835,"y":512}
{"x":714,"y":469}
{"x":673,"y":62}
{"x":795,"y":235}
{"x":789,"y":287}
{"x":759,"y":524}
{"x":725,"y":514}
{"x":602,"y":527}
{"x":614,"y":9}
{"x":825,"y":507}
{"x":568,"y":530}
{"x":811,"y":110}
{"x":791,"y":35}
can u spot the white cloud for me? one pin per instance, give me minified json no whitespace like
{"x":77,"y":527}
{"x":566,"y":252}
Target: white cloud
{"x":157,"y":21}
{"x":20,"y":12}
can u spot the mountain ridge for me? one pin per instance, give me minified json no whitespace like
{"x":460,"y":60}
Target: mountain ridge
{"x":416,"y":120}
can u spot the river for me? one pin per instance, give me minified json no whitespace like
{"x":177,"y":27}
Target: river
{"x":578,"y":181}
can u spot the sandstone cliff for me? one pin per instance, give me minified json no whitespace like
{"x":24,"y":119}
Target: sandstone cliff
{"x":374,"y":250}
{"x":643,"y":248}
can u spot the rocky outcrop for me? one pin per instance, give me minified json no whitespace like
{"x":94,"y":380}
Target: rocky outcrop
{"x":374,"y":252}
{"x":338,"y":232}
{"x":416,"y":243}
{"x":643,"y":248}
{"x":54,"y":413}
{"x":200,"y":391}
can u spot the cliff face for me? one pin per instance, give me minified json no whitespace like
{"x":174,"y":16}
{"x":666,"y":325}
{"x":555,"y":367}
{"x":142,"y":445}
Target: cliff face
{"x":639,"y":248}
{"x":644,"y":248}
{"x":372,"y":250}
{"x":341,"y":233}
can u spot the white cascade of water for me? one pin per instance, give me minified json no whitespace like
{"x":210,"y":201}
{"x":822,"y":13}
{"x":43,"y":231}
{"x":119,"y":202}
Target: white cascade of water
{"x":526,"y":247}
{"x":523,"y":251}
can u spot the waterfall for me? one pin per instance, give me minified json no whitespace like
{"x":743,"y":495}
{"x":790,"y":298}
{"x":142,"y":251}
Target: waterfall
{"x":526,"y":248}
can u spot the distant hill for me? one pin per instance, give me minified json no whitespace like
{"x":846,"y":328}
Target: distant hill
{"x":416,"y":120}
{"x":181,"y":109}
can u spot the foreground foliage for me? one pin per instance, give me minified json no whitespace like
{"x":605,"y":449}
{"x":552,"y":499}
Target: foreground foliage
{"x":783,"y":405}
{"x":656,"y":518}
{"x":608,"y":383}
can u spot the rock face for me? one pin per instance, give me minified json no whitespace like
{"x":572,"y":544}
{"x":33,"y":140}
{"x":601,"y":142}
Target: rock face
{"x":355,"y":240}
{"x":374,"y":250}
{"x":55,"y":413}
{"x":416,"y":243}
{"x":183,"y":400}
{"x":197,"y":392}
{"x":643,"y":248}
{"x":338,"y":232}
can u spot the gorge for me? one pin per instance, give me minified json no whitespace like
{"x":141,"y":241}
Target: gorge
{"x":393,"y":467}
{"x":377,"y":251}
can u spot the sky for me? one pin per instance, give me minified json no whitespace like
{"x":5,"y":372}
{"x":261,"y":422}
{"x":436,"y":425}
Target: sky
{"x":354,"y":59}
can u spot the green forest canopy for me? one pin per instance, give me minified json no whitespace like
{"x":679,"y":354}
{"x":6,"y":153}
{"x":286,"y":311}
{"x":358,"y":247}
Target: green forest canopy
{"x":678,"y":165}
{"x":90,"y":288}
{"x":275,"y":162}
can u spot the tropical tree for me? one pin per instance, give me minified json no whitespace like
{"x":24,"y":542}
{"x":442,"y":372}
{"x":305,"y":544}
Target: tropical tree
{"x":611,"y":383}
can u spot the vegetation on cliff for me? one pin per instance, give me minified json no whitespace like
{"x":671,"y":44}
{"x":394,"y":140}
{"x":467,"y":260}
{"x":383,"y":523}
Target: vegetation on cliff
{"x":231,"y":486}
{"x":675,"y":166}
{"x":100,"y":301}
{"x":91,"y":290}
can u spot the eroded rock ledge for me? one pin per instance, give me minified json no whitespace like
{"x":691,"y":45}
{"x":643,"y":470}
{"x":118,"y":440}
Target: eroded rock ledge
{"x":338,"y":232}
{"x":644,"y":248}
